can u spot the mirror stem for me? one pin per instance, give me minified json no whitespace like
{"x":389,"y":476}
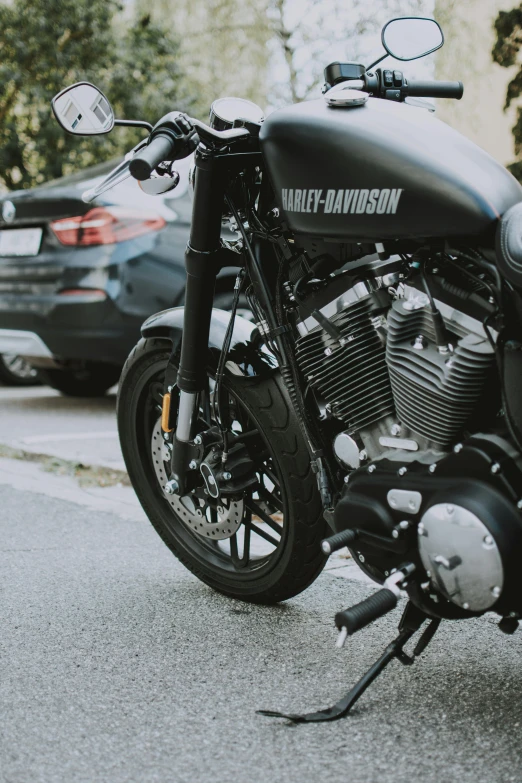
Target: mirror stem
{"x":135,"y":124}
{"x":379,"y":60}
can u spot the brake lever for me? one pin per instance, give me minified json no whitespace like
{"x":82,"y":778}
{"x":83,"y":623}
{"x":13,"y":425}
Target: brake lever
{"x":420,"y":103}
{"x":117,"y":175}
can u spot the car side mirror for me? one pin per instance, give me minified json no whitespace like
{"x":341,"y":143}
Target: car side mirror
{"x":411,"y":37}
{"x":83,"y":110}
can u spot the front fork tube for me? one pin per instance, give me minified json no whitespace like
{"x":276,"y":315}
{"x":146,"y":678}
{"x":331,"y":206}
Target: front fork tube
{"x":186,"y":414}
{"x":203,"y":260}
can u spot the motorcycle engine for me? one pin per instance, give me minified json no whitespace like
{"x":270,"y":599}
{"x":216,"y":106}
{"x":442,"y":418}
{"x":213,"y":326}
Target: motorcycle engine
{"x":421,"y":485}
{"x":387,"y":380}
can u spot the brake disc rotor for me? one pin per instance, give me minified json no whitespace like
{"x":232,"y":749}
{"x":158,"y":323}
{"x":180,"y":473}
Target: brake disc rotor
{"x":188,"y":508}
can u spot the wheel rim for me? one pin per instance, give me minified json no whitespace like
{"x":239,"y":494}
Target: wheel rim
{"x":256,"y":520}
{"x":19,"y":367}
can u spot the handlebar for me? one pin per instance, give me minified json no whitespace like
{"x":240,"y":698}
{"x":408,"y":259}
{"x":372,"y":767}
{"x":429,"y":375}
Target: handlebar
{"x":144,"y":162}
{"x":433,"y":89}
{"x":392,"y":85}
{"x":166,"y":145}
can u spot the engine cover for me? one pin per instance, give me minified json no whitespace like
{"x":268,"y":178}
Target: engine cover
{"x":457,"y":520}
{"x":457,"y":550}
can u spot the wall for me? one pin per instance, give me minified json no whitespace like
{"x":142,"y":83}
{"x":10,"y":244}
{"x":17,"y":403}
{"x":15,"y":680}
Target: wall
{"x":466,"y":55}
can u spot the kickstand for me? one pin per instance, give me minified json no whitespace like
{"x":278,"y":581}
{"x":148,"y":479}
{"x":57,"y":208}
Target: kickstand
{"x":411,"y":621}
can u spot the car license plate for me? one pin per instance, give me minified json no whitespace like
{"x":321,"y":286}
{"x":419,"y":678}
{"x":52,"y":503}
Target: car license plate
{"x":20,"y":242}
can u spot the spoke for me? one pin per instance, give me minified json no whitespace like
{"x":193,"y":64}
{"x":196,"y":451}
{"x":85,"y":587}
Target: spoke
{"x":233,"y":551}
{"x":270,"y":498}
{"x":156,"y":392}
{"x":264,"y":535}
{"x":247,"y":524}
{"x":258,"y":511}
{"x":271,"y":475}
{"x":241,"y":562}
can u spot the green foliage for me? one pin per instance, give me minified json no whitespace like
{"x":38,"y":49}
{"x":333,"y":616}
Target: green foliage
{"x":46,"y":45}
{"x":508,"y":28}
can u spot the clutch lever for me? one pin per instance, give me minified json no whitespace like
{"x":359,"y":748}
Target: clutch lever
{"x":117,"y":175}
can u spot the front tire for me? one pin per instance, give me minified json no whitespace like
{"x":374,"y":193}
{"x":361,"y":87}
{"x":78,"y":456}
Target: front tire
{"x":296,"y":560}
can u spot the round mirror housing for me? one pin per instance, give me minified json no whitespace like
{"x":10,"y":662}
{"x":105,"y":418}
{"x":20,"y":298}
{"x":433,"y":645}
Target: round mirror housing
{"x":411,"y":37}
{"x":82,"y":109}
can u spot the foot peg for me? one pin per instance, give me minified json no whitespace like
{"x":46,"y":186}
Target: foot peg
{"x":377,"y":605}
{"x":338,"y":541}
{"x":361,"y":615}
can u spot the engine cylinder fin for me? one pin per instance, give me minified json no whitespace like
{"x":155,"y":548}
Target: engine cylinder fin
{"x":435,"y":394}
{"x":353,"y":377}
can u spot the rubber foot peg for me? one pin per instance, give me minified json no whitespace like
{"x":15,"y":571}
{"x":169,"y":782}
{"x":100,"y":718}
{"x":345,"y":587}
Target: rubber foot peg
{"x":338,"y":541}
{"x":361,"y":615}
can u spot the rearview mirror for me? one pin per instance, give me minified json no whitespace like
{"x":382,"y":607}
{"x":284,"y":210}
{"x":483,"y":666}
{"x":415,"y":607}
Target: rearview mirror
{"x":411,"y":37}
{"x":83,"y":110}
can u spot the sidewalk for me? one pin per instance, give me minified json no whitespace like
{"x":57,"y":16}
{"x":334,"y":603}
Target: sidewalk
{"x":42,"y":421}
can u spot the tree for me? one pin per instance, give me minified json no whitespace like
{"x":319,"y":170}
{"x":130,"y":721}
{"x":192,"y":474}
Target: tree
{"x":223,"y":45}
{"x":508,"y":29}
{"x":48,"y":44}
{"x":309,"y":34}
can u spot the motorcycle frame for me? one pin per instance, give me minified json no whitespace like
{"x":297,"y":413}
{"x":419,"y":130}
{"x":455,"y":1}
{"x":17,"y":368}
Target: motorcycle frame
{"x":206,"y":255}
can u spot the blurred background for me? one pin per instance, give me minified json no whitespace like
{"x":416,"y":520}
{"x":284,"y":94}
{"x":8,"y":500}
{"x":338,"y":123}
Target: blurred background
{"x":152,"y":57}
{"x":72,"y":304}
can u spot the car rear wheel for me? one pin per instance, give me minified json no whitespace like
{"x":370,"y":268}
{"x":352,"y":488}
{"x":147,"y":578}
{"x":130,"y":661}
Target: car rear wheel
{"x":15,"y":371}
{"x":92,"y":380}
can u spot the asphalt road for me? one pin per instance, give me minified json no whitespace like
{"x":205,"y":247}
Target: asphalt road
{"x":118,"y":665}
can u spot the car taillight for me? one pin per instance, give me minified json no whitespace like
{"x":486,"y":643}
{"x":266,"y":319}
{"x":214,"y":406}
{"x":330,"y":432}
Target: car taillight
{"x":106,"y":226}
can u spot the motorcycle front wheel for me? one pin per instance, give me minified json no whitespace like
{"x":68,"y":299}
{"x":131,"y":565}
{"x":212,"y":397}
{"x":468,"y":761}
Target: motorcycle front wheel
{"x":260,"y":546}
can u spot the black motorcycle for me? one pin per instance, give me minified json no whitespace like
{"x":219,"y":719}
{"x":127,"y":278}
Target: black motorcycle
{"x":376,"y":402}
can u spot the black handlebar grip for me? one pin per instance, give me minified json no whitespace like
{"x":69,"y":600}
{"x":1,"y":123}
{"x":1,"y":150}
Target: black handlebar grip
{"x":145,"y":161}
{"x":361,"y":615}
{"x":434,"y":89}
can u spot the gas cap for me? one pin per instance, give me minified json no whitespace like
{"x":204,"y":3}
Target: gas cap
{"x":347,"y":98}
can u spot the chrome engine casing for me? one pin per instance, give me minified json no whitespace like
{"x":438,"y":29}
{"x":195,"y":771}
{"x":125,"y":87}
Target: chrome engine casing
{"x":460,"y":556}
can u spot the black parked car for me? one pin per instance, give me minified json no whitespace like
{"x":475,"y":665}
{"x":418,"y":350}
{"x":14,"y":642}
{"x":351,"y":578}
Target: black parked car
{"x":77,"y":280}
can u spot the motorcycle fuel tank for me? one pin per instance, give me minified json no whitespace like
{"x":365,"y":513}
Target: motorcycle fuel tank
{"x":381,"y":171}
